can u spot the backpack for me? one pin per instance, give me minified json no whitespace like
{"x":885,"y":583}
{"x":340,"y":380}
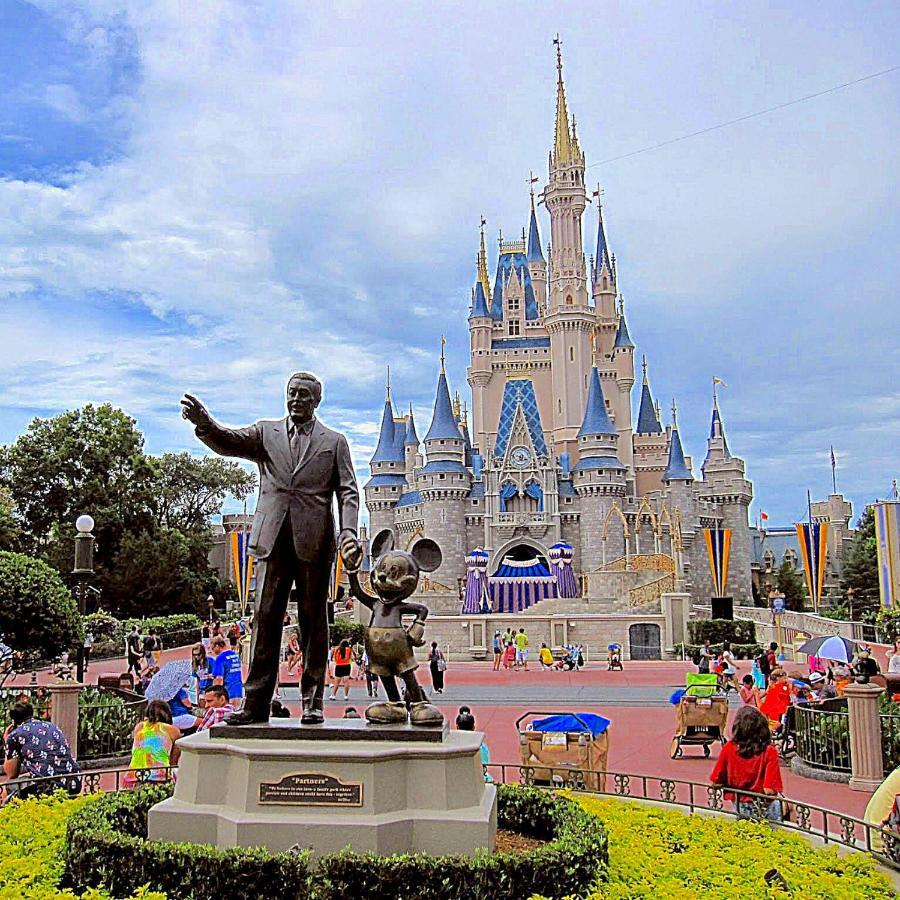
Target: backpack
{"x":762,"y":661}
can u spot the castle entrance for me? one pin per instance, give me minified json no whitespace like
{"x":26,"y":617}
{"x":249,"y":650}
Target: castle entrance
{"x":522,"y":578}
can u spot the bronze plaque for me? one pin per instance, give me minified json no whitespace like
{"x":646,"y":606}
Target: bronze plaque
{"x":311,"y":789}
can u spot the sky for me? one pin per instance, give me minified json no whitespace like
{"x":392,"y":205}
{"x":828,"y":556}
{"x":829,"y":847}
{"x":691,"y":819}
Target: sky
{"x":206,"y":196}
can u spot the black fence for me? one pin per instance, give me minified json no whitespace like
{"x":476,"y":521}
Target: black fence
{"x":822,"y":734}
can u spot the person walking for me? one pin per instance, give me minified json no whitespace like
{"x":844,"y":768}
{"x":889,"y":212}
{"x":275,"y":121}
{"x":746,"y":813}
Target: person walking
{"x":706,"y":656}
{"x":133,"y":651}
{"x":437,"y":663}
{"x":293,"y":653}
{"x":465,"y":721}
{"x":342,"y":656}
{"x":153,"y":749}
{"x":521,"y":641}
{"x":200,"y":671}
{"x":498,"y":650}
{"x":88,"y":646}
{"x":749,"y":761}
{"x":147,"y":645}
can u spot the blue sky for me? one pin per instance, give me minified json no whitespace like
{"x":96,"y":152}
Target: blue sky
{"x":175,"y":176}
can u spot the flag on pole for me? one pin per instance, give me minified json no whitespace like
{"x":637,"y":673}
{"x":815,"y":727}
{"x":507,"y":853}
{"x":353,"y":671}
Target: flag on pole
{"x":814,"y":549}
{"x":764,"y":516}
{"x":718,"y":547}
{"x":242,"y":562}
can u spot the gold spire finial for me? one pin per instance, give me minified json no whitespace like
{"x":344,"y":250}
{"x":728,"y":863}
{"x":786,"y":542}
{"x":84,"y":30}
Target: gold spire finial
{"x":644,"y":366}
{"x":443,"y":344}
{"x":674,"y":413}
{"x":532,"y":180}
{"x":482,"y":265}
{"x":388,"y":385}
{"x":465,"y":415}
{"x":457,"y":405}
{"x":562,"y":142}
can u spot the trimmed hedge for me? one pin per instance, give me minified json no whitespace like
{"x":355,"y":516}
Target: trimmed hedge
{"x":107,"y":845}
{"x":737,"y":631}
{"x":741,"y":651}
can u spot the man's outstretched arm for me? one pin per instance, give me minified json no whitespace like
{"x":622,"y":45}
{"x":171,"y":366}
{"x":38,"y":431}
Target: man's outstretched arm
{"x":243,"y":442}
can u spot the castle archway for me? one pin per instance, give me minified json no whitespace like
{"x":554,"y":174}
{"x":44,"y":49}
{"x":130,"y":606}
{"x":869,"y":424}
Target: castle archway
{"x":518,"y":549}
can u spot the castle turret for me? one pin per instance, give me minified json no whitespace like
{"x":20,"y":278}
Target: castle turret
{"x":411,"y":448}
{"x":603,"y":277}
{"x":650,"y":443}
{"x":598,"y":476}
{"x":569,"y":320}
{"x":536,"y":263}
{"x":724,"y":484}
{"x":444,"y":482}
{"x":623,"y":363}
{"x":388,"y":469}
{"x":480,"y":324}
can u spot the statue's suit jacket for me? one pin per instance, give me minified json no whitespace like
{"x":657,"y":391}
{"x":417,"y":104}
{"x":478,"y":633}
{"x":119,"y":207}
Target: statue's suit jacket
{"x":302,"y":492}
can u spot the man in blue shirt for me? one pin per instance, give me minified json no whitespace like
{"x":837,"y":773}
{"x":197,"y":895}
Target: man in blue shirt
{"x":225,"y":668}
{"x":38,"y":749}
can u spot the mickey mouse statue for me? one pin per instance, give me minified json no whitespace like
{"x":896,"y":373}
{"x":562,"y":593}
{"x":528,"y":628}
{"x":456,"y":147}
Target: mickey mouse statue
{"x":394,"y":577}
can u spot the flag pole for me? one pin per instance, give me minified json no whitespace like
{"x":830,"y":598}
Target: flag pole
{"x":833,"y":479}
{"x":813,"y":568}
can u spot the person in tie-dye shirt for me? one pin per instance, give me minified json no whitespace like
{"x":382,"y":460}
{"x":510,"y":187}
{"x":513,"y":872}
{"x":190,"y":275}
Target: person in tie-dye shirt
{"x":153,"y":751}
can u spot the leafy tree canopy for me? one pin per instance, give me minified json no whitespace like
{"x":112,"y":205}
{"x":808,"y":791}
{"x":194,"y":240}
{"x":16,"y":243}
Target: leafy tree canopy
{"x":151,"y":513}
{"x":860,"y":572}
{"x":37,"y":612}
{"x":790,"y":583}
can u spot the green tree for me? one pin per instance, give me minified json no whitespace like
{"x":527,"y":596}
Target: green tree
{"x":860,"y":571}
{"x":790,"y":583}
{"x":10,"y":532}
{"x":37,"y":612}
{"x":188,"y":490}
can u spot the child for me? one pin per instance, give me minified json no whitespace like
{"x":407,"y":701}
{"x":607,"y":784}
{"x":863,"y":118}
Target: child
{"x":509,"y":655}
{"x":749,"y":692}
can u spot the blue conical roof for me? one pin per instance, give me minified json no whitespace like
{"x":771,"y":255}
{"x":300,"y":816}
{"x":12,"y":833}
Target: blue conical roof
{"x":443,"y":422}
{"x":387,"y":449}
{"x":534,"y":252}
{"x":479,"y":302}
{"x":677,"y":469}
{"x":602,"y":256}
{"x":647,"y":422}
{"x":623,"y":339}
{"x":717,"y":429}
{"x":411,"y":437}
{"x":596,"y":418}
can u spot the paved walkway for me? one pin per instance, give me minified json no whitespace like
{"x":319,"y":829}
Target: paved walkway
{"x":635,"y":700}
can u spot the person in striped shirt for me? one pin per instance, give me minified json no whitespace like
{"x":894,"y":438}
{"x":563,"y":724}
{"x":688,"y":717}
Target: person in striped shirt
{"x":217,"y":707}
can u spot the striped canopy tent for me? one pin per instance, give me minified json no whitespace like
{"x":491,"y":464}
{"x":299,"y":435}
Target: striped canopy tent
{"x":561,"y":556}
{"x":476,"y":583}
{"x":519,"y":584}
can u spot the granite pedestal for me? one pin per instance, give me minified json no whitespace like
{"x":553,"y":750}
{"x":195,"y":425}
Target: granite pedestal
{"x":388,"y":789}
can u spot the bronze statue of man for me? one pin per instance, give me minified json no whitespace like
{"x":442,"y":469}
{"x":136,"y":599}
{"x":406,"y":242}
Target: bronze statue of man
{"x":302,"y":466}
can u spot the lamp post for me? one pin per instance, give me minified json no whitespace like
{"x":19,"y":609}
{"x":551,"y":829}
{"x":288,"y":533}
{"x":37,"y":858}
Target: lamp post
{"x":84,"y":567}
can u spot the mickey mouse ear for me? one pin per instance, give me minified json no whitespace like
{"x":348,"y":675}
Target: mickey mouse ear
{"x":383,"y":542}
{"x":427,"y":555}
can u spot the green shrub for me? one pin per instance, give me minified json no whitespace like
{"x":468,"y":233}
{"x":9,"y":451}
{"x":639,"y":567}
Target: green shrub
{"x":37,"y":613}
{"x":354,"y":632}
{"x":888,"y":622}
{"x":737,"y":631}
{"x":741,"y":651}
{"x":106,"y":845}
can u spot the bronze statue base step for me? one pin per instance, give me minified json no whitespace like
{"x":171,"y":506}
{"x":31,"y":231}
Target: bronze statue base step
{"x":330,"y":730}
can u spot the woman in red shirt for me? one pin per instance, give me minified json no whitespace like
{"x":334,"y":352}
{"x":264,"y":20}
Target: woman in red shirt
{"x":777,"y":698}
{"x":749,"y":761}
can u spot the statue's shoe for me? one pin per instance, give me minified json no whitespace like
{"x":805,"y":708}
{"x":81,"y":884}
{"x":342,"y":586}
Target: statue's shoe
{"x":386,"y":713}
{"x":425,"y":714}
{"x":245,"y":717}
{"x":312,"y":716}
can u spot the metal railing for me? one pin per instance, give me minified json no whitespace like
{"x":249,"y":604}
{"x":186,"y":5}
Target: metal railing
{"x":822,"y":735}
{"x":105,"y":726}
{"x":890,"y":740}
{"x":90,"y":782}
{"x":827,"y":825}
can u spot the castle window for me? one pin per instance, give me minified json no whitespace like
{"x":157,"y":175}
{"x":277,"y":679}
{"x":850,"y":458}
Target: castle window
{"x":569,"y":300}
{"x":514,"y":327}
{"x":571,"y":354}
{"x":559,"y":406}
{"x":442,"y":476}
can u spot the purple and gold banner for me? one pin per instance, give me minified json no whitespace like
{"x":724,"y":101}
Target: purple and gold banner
{"x":718,"y":548}
{"x":814,"y":550}
{"x":243,"y":565}
{"x":887,"y":539}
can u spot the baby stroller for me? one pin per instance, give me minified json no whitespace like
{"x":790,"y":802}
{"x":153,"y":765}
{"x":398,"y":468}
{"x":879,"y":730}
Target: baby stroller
{"x":700,"y":714}
{"x":614,"y":657}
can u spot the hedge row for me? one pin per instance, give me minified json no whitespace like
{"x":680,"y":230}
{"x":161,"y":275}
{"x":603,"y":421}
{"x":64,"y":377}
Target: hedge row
{"x":106,"y":844}
{"x":741,"y":651}
{"x":109,"y":632}
{"x":736,"y":631}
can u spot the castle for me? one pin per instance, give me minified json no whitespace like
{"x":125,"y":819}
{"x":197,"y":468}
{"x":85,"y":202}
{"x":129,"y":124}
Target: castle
{"x":554,"y":453}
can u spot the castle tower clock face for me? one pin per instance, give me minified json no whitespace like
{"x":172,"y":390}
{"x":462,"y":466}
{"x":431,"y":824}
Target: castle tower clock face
{"x":520,"y":457}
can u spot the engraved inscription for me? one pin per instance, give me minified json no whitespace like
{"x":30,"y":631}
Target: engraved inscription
{"x":311,"y":789}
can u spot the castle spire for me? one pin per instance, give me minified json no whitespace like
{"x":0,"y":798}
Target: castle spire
{"x":648,"y":418}
{"x":596,"y":418}
{"x":563,"y":150}
{"x":483,"y":278}
{"x":602,"y":258}
{"x":388,"y":386}
{"x":623,"y":339}
{"x":443,"y":422}
{"x":717,"y":444}
{"x":411,"y":436}
{"x":677,"y":468}
{"x":534,"y":253}
{"x":387,"y":449}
